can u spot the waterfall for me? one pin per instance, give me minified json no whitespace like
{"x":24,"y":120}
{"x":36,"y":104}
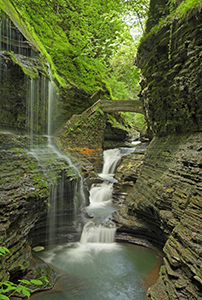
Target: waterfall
{"x":101,"y":196}
{"x":11,"y":39}
{"x":111,"y":159}
{"x":66,"y":196}
{"x":100,"y":193}
{"x":36,"y":97}
{"x":38,"y":118}
{"x":93,"y":233}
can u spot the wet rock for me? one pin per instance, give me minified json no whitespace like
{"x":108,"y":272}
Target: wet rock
{"x":24,"y":196}
{"x":167,"y":199}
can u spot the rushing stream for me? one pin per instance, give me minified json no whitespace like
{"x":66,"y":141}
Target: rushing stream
{"x":97,"y":267}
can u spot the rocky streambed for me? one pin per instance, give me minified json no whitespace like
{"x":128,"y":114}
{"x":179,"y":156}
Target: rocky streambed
{"x":159,"y":197}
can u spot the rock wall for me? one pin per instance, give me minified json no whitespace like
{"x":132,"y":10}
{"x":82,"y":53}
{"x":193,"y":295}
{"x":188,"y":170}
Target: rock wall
{"x":167,"y":198}
{"x":30,"y":178}
{"x":171,"y":88}
{"x":25,"y":193}
{"x":20,"y":193}
{"x":85,"y":137}
{"x":165,"y":204}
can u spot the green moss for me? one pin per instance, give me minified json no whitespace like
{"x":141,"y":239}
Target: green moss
{"x":31,"y":72}
{"x":179,"y":12}
{"x":29,"y":33}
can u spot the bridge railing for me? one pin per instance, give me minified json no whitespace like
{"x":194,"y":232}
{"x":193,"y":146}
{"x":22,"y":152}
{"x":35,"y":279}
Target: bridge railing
{"x":89,"y":111}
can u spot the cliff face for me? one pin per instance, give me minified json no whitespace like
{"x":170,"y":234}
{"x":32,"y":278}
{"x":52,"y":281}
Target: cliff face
{"x":21,"y":191}
{"x":25,"y":191}
{"x":30,"y":179}
{"x":167,"y":196}
{"x":171,"y":67}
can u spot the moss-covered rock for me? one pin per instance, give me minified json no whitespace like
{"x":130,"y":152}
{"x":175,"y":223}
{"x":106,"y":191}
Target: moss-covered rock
{"x":171,"y":67}
{"x":25,"y":187}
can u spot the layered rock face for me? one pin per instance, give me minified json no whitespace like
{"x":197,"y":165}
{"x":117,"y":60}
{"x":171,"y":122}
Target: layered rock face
{"x":86,"y":135}
{"x":171,"y":69}
{"x":167,"y":196}
{"x":33,"y":175}
{"x":22,"y":192}
{"x":37,"y":207}
{"x":26,"y":186}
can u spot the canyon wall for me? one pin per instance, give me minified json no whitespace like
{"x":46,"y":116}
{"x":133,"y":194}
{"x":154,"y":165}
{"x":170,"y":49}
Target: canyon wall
{"x":33,"y":175}
{"x":167,"y":196}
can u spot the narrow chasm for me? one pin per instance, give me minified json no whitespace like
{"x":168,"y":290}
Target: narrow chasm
{"x":100,"y":150}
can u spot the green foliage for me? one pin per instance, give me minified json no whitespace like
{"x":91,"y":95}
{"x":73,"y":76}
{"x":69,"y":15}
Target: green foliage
{"x":128,"y":121}
{"x":124,"y":76}
{"x":24,"y":287}
{"x":185,"y":6}
{"x":80,"y":38}
{"x":180,"y":11}
{"x":171,"y":9}
{"x":101,"y":112}
{"x":3,"y":250}
{"x":111,"y":119}
{"x":134,"y":120}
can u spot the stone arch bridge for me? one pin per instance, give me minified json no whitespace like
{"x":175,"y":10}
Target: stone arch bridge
{"x":87,"y":133}
{"x":110,"y":106}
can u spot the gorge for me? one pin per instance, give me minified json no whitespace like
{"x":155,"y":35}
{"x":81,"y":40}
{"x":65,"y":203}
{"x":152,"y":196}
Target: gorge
{"x":162,"y":193}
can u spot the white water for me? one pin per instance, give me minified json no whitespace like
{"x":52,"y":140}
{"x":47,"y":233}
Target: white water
{"x":101,"y":204}
{"x":93,"y":233}
{"x":12,"y":39}
{"x":111,"y":158}
{"x":42,"y":92}
{"x":101,"y":193}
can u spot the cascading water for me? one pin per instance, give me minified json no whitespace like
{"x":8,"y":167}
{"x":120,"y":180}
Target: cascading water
{"x":37,"y":109}
{"x":62,"y":210}
{"x":93,"y":233}
{"x":97,"y":267}
{"x":101,"y":193}
{"x":111,"y":158}
{"x":36,"y":99}
{"x":11,"y":39}
{"x":102,"y":230}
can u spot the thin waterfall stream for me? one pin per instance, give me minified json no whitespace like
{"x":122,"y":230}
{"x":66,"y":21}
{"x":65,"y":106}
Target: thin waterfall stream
{"x":62,"y":210}
{"x":97,"y":267}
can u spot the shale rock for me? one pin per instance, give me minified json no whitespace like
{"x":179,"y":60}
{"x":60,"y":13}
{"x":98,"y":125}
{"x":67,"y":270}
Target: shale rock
{"x":167,"y":195}
{"x":24,"y":195}
{"x":167,"y":200}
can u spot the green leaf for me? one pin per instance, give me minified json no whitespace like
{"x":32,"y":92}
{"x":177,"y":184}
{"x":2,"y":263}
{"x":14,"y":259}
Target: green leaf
{"x":3,"y":250}
{"x":36,"y":281}
{"x":19,"y":288}
{"x":9,"y":288}
{"x":45,"y":279}
{"x":24,"y":281}
{"x":26,"y":292}
{"x":8,"y":283}
{"x":3,"y":297}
